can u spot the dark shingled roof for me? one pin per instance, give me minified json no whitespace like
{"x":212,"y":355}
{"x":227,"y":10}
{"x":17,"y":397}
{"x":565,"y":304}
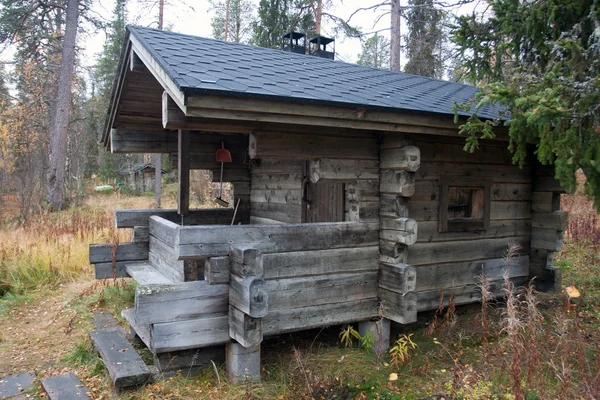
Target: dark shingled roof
{"x":200,"y":65}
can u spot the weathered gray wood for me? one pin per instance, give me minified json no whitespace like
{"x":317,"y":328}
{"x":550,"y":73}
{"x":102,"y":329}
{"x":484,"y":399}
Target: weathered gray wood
{"x":246,"y":261}
{"x":401,"y":230}
{"x":243,"y":364}
{"x":546,"y":239}
{"x":124,"y":365}
{"x":399,"y":278}
{"x":557,"y":220}
{"x":163,"y":230}
{"x":547,"y":184}
{"x":319,"y":262}
{"x":163,"y":258}
{"x":542,"y":201}
{"x":394,"y":206}
{"x":146,"y":274}
{"x":104,"y":320}
{"x":472,"y":250}
{"x":397,"y":182}
{"x":190,"y":334}
{"x":140,"y":234}
{"x":393,"y":252}
{"x":264,"y":221}
{"x":512,"y":191}
{"x":102,"y":253}
{"x":321,"y":289}
{"x":208,"y":241}
{"x":249,"y":295}
{"x":186,"y":360}
{"x":204,"y":216}
{"x":445,"y":276}
{"x":184,"y":301}
{"x":216,"y":270}
{"x":276,"y":181}
{"x":183,"y":172}
{"x":499,"y":210}
{"x":285,"y":196}
{"x":290,"y":146}
{"x":430,"y":300}
{"x":244,"y":329}
{"x":13,"y":385}
{"x":288,"y":213}
{"x":400,"y":308}
{"x":64,"y":387}
{"x":342,"y":169}
{"x":495,"y":173}
{"x":407,"y":158}
{"x":301,"y":318}
{"x":142,"y":331}
{"x":105,"y":270}
{"x":429,"y":231}
{"x":445,"y":150}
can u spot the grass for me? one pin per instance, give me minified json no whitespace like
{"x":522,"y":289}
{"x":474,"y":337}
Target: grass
{"x":555,"y":357}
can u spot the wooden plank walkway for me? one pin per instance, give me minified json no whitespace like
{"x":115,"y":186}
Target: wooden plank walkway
{"x":125,"y":366}
{"x":65,"y":387}
{"x":13,"y":385}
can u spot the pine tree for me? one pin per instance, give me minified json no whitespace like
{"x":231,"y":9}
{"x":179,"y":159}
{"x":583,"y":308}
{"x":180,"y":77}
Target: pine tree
{"x":541,"y":62}
{"x":375,"y":52}
{"x":239,"y":28}
{"x":424,"y":40}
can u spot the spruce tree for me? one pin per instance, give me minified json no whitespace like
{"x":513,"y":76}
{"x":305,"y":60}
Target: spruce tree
{"x":424,"y":41}
{"x":540,"y":61}
{"x":375,"y":52}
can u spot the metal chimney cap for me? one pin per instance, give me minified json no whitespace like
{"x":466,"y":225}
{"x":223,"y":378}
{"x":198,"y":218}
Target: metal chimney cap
{"x":321,"y":40}
{"x":294,"y":35}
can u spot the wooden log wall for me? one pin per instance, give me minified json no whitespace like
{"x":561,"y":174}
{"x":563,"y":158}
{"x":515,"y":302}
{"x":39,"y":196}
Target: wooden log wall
{"x":314,"y":274}
{"x":548,"y":224}
{"x":451,"y":261}
{"x":286,"y":161}
{"x":399,"y":161}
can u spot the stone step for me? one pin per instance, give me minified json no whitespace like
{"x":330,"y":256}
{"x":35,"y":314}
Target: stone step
{"x":146,"y":274}
{"x":65,"y":387}
{"x":125,"y":366}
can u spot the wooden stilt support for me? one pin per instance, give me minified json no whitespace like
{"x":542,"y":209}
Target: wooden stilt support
{"x":183,"y":169}
{"x":243,"y":363}
{"x":380,"y":330}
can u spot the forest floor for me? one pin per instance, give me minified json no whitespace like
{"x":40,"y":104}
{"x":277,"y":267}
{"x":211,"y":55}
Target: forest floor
{"x":460,"y":353}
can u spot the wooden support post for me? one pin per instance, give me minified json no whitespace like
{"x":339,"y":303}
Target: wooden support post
{"x":246,"y":261}
{"x":183,"y":169}
{"x":243,"y":364}
{"x":249,"y":295}
{"x":380,"y":331}
{"x":244,"y":329}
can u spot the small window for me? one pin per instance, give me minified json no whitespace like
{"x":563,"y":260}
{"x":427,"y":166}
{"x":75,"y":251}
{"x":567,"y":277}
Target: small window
{"x":464,"y":208}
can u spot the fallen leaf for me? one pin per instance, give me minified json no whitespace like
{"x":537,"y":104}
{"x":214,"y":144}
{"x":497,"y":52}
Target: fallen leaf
{"x":572,"y":292}
{"x":393,"y":376}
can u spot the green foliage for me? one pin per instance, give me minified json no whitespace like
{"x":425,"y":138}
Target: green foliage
{"x":375,"y":52}
{"x":367,"y":341}
{"x":425,"y":39}
{"x":276,"y":18}
{"x":348,"y":335}
{"x":541,"y":64}
{"x":400,"y":351}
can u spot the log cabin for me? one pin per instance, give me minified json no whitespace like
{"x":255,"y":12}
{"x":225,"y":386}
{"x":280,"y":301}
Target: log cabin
{"x":357,"y":202}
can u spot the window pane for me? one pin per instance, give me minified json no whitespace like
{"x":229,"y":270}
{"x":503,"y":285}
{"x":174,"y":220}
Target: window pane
{"x":465,"y":203}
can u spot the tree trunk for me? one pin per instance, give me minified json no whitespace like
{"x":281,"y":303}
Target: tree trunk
{"x":158,"y":157}
{"x":59,"y":123}
{"x":319,"y":16}
{"x":395,"y":36}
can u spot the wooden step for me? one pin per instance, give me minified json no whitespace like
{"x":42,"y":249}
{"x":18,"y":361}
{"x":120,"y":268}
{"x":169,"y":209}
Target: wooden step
{"x":65,"y":387}
{"x":125,"y":366}
{"x":142,"y":331}
{"x":146,"y":274}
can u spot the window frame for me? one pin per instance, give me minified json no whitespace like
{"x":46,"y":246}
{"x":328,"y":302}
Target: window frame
{"x":446,"y":224}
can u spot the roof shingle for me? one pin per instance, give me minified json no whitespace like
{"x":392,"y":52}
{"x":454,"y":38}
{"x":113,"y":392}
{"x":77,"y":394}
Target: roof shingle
{"x":197,"y":64}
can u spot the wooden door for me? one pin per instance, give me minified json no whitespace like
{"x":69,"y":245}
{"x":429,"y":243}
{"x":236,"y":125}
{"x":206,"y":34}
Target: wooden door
{"x":324,"y":202}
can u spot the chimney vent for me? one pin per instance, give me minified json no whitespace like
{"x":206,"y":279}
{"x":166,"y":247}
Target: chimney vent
{"x":294,"y":42}
{"x":318,"y":47}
